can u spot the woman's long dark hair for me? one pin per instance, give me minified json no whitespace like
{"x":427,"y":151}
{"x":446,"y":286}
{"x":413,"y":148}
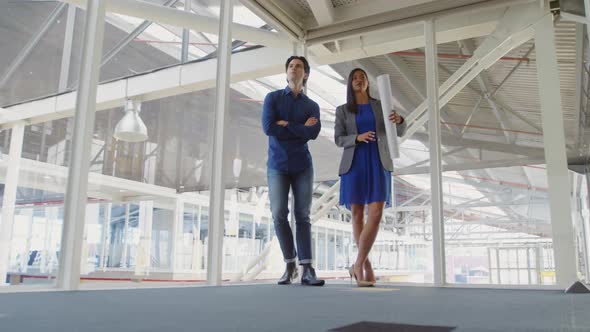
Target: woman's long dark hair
{"x":350,"y":97}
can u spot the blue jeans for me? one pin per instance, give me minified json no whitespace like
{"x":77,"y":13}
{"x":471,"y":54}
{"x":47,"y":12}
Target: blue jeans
{"x":279,"y":183}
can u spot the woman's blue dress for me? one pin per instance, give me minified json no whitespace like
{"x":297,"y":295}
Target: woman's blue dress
{"x":366,"y":181}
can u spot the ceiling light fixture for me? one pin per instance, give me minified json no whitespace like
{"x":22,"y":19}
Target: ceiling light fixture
{"x":131,"y":128}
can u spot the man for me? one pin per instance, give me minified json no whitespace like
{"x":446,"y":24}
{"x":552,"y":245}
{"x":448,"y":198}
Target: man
{"x":290,"y":119}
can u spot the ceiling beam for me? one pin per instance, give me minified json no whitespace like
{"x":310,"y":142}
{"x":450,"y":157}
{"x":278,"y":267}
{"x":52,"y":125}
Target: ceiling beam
{"x":486,"y":164}
{"x":172,"y":16}
{"x":250,"y":64}
{"x":450,"y":140}
{"x":323,"y":11}
{"x":486,"y":87}
{"x":398,"y":18}
{"x":404,"y":37}
{"x":398,"y":63}
{"x":32,"y":43}
{"x":131,"y":36}
{"x":163,"y":83}
{"x":364,"y":8}
{"x":272,"y":15}
{"x":514,"y":29}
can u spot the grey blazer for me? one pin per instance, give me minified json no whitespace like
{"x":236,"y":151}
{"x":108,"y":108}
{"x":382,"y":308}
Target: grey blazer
{"x":345,"y":133}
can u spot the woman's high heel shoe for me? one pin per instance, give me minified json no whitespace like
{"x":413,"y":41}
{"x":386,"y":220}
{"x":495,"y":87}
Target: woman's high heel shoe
{"x":359,"y":283}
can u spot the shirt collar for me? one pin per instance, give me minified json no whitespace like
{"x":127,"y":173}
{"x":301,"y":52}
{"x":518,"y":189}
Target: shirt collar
{"x":288,"y":91}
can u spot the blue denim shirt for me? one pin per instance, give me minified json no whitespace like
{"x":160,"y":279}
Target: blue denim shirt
{"x":287,"y":146}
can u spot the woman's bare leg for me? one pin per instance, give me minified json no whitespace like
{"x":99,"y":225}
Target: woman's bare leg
{"x":358,"y":212}
{"x":369,"y":273}
{"x":368,"y":234}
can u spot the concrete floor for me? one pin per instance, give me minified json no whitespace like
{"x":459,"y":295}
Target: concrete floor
{"x":269,"y":307}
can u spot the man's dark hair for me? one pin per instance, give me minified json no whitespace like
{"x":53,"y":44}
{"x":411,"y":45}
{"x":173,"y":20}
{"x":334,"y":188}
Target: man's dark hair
{"x":306,"y":67}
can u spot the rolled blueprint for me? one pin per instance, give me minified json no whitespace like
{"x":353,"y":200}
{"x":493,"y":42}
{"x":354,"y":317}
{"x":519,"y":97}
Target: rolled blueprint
{"x":384,"y":86}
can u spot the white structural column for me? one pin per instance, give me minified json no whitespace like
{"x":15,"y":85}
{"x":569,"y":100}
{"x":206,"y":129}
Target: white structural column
{"x":555,"y":153}
{"x":432,"y":88}
{"x":46,"y":241}
{"x":580,"y":213}
{"x":92,"y":216}
{"x":76,"y":195}
{"x":186,"y":36}
{"x":217,"y":192}
{"x":305,"y":55}
{"x":580,"y":74}
{"x":197,"y":247}
{"x":177,"y":236}
{"x":125,"y":241}
{"x":297,"y":50}
{"x":67,"y":50}
{"x":586,"y":225}
{"x":9,"y":198}
{"x":144,"y":250}
{"x":105,"y":238}
{"x":24,"y":258}
{"x":49,"y":250}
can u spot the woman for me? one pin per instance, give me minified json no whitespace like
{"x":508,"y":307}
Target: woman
{"x":365,"y":168}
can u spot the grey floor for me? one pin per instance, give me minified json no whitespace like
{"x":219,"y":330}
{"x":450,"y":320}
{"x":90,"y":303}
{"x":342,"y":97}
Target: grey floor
{"x":269,"y":307}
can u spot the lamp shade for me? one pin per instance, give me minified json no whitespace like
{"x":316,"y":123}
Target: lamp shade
{"x":131,"y":128}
